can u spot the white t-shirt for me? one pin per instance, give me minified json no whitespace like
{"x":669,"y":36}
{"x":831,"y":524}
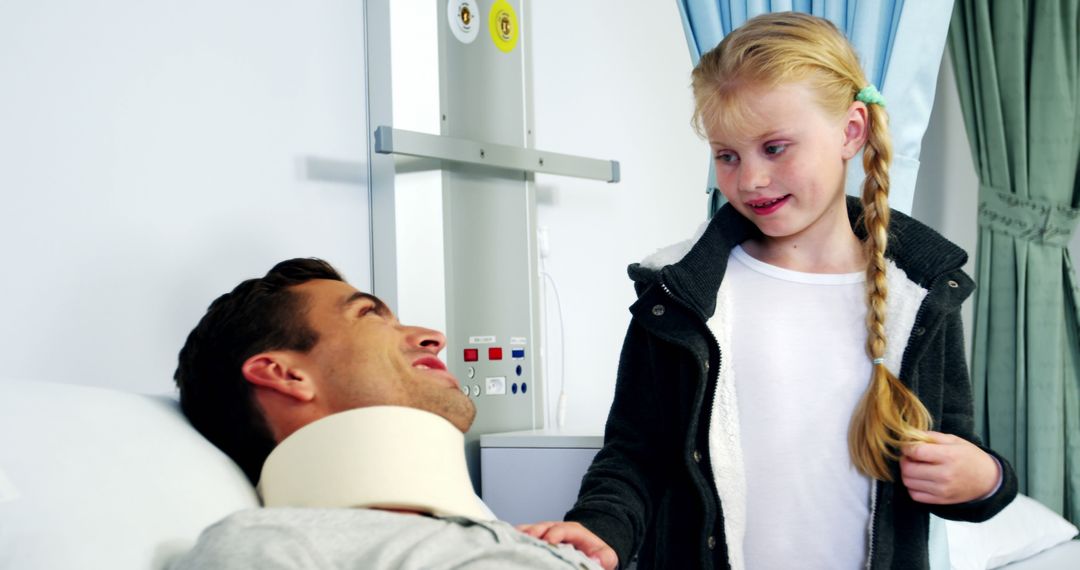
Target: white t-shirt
{"x":798,"y":358}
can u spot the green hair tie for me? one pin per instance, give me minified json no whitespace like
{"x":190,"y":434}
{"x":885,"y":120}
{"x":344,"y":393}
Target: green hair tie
{"x":871,"y":96}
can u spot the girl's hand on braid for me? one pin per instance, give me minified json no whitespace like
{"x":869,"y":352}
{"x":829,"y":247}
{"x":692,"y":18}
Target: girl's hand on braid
{"x":948,"y":470}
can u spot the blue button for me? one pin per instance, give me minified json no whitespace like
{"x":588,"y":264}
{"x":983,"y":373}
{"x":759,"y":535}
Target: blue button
{"x":524,"y":387}
{"x":518,"y":370}
{"x":517,"y":353}
{"x":513,"y":387}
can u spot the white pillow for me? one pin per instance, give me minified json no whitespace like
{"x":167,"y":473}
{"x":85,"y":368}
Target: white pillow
{"x":1020,"y":530}
{"x":97,"y":478}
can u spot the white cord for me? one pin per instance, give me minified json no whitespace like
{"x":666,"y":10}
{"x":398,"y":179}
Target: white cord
{"x":544,"y":346}
{"x":560,"y":413}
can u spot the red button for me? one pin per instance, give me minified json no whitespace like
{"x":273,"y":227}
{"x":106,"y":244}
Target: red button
{"x":472,"y":354}
{"x":495,"y":353}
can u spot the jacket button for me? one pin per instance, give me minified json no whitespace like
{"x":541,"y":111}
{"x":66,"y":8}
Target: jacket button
{"x":658,"y":310}
{"x":696,"y":456}
{"x":918,"y":331}
{"x":953,"y":284}
{"x":706,"y":366}
{"x":711,"y":543}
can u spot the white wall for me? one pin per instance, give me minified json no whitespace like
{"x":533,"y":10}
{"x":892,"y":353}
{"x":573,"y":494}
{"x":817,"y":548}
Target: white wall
{"x":418,"y":194}
{"x":613,"y":83}
{"x":152,"y":155}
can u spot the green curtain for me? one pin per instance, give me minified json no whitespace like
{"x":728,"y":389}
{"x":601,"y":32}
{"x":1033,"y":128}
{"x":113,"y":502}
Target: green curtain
{"x":1018,"y":71}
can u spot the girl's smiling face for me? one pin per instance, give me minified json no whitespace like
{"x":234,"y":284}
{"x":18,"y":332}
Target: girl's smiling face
{"x":783,"y":167}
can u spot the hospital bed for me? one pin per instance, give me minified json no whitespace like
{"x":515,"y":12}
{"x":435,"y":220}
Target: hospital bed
{"x":99,"y":478}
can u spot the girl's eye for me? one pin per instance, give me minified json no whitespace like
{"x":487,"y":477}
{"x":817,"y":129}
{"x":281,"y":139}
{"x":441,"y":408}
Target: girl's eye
{"x":775,"y":149}
{"x":726,"y":157}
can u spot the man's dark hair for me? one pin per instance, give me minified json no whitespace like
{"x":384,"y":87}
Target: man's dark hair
{"x":257,"y":316}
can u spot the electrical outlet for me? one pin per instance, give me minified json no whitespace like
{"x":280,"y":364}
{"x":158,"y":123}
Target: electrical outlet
{"x":543,"y":241}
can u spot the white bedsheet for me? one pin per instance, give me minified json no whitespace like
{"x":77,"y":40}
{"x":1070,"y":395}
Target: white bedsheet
{"x":1065,"y":556}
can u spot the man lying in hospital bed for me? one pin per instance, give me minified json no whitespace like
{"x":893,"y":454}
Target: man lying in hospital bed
{"x":93,"y":478}
{"x":365,"y":425}
{"x":358,"y":422}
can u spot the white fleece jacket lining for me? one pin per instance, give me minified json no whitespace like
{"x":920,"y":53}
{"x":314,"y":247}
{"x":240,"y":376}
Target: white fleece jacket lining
{"x":904,"y":299}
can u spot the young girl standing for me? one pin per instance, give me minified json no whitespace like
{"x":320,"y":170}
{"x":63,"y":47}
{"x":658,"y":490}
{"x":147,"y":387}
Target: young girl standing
{"x":757,"y":420}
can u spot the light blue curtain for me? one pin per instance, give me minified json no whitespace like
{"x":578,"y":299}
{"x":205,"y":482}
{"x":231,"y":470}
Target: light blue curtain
{"x":899,"y":43}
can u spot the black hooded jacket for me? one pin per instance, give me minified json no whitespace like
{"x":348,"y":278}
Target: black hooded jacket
{"x":651,"y":489}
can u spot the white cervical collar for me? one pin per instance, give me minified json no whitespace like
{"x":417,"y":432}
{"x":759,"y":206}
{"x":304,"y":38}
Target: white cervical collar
{"x":385,"y":457}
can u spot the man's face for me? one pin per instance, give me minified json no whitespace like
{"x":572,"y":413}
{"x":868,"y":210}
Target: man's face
{"x":365,"y":357}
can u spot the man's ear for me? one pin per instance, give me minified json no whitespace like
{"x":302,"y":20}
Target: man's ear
{"x":855,"y":129}
{"x":281,"y":372}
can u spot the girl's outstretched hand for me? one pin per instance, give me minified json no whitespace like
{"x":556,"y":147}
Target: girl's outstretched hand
{"x":575,"y":535}
{"x":948,"y":470}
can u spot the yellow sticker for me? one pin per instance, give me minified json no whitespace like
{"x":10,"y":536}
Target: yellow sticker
{"x":503,"y":23}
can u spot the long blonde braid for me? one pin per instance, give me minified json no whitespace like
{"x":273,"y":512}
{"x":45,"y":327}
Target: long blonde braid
{"x":888,"y":415}
{"x":772,"y":49}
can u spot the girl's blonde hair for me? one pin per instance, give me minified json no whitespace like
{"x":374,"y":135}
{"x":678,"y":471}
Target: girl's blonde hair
{"x":774,"y":49}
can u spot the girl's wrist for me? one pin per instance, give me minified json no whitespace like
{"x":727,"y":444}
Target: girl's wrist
{"x":997,"y":479}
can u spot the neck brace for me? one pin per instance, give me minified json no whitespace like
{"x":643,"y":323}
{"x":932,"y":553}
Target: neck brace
{"x":385,"y":457}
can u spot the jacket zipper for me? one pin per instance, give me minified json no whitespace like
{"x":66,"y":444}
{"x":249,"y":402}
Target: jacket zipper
{"x":872,"y":531}
{"x":709,"y":372}
{"x":716,"y":343}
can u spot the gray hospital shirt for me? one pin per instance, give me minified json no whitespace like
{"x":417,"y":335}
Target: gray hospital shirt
{"x":280,"y":538}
